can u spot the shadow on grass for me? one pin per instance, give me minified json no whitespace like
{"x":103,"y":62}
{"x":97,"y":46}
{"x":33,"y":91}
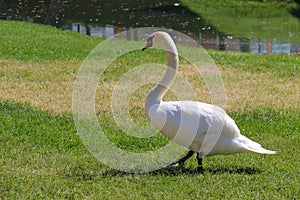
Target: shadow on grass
{"x":296,"y":11}
{"x":174,"y":171}
{"x":84,"y":174}
{"x":235,"y":170}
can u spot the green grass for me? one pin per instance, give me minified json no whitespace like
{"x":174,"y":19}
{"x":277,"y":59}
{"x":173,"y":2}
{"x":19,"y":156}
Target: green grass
{"x":250,"y":19}
{"x":281,"y":65}
{"x":42,"y":157}
{"x":33,"y":42}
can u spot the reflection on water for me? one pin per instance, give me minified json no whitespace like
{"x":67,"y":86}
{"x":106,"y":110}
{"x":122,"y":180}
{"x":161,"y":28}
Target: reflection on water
{"x":208,"y":41}
{"x":103,"y":18}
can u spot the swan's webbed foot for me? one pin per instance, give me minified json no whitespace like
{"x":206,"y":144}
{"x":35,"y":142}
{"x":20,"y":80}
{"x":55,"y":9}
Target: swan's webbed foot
{"x":181,"y":161}
{"x":176,"y":164}
{"x":200,"y":169}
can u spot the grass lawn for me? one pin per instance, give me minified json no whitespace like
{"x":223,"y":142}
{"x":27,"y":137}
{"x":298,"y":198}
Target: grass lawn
{"x":42,"y":157}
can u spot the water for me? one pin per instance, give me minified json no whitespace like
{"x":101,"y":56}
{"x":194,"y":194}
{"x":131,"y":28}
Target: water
{"x":103,"y":18}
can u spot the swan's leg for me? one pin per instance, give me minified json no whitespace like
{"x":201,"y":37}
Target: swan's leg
{"x":181,"y":161}
{"x":200,"y":166}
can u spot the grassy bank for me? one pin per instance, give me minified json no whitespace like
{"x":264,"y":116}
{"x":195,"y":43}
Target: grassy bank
{"x":32,"y":42}
{"x":43,"y":157}
{"x":251,"y":19}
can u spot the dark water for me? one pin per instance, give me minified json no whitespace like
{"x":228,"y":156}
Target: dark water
{"x":103,"y":18}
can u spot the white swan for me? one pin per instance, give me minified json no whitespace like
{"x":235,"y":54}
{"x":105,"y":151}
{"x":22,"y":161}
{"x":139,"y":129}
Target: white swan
{"x":190,"y":123}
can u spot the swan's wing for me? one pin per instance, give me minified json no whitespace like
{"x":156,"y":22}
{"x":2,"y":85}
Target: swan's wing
{"x":211,"y":119}
{"x":191,"y":123}
{"x":182,"y":121}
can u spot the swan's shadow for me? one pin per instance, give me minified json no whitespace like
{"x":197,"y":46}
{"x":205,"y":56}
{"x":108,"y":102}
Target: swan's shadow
{"x":219,"y":170}
{"x":174,"y":171}
{"x":234,"y":170}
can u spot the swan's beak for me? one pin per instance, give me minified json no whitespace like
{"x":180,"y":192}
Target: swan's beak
{"x":149,"y":44}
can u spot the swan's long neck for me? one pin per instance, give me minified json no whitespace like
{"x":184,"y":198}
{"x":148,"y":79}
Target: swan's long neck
{"x":158,"y":92}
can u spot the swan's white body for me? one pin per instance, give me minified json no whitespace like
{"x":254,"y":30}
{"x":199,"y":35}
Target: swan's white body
{"x":203,"y":128}
{"x":188,"y":122}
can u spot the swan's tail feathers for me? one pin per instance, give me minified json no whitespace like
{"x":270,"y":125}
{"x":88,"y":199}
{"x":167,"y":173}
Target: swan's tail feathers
{"x":262,"y":151}
{"x":251,"y":146}
{"x":259,"y":149}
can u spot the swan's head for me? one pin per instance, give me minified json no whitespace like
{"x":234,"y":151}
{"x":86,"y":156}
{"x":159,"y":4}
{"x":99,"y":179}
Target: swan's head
{"x":149,"y":42}
{"x":161,"y":38}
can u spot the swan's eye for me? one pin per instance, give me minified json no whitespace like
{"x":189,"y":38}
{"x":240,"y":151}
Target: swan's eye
{"x":150,"y":38}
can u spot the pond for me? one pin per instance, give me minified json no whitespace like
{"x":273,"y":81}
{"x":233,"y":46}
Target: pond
{"x":104,"y":18}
